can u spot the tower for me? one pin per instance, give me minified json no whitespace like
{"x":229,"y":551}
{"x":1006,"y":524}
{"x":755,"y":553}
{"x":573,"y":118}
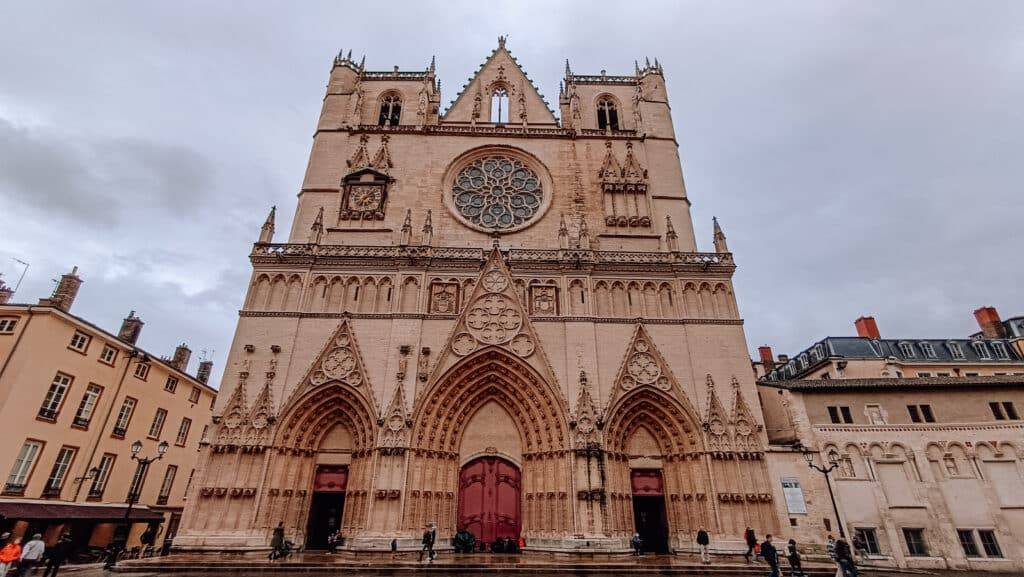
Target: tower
{"x":568,"y":343}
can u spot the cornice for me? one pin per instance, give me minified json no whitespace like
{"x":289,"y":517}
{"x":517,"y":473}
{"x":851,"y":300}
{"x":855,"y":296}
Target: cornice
{"x":535,"y":319}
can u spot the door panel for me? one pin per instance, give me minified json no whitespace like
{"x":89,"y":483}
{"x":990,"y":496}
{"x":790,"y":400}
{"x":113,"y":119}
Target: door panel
{"x":489,"y":499}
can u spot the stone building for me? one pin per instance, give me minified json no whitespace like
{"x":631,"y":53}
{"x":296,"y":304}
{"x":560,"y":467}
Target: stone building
{"x":73,"y":399}
{"x":925,"y":438}
{"x":490,"y":316}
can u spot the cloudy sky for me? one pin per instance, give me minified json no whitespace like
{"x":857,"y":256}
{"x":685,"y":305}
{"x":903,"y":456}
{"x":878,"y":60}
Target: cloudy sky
{"x":863,"y":157}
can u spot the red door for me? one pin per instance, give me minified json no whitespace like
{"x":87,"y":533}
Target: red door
{"x":489,"y":505}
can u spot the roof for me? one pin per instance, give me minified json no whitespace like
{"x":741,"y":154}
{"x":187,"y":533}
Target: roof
{"x":831,"y":385}
{"x":31,"y":509}
{"x":110,"y":336}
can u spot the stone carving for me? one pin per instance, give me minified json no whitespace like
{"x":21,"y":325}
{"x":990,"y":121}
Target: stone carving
{"x":423,"y":364}
{"x":494,"y":319}
{"x":444,"y":298}
{"x":643,"y":366}
{"x":463,"y":344}
{"x":543,"y":300}
{"x":497,"y":193}
{"x":522,"y":345}
{"x":494,"y":281}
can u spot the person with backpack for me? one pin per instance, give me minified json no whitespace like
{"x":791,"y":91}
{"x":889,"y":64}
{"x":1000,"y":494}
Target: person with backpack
{"x":702,"y":544}
{"x":793,"y":556}
{"x":637,"y":543}
{"x":429,"y":538}
{"x":770,"y":555}
{"x":751,"y":540}
{"x":844,"y":558}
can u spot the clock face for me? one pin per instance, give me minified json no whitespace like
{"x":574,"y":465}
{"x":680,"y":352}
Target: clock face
{"x":364,"y":198}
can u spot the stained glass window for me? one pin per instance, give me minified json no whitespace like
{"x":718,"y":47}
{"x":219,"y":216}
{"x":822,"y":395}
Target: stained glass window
{"x":497,"y":193}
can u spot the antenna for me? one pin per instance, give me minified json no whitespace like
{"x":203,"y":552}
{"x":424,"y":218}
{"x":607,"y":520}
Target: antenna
{"x":23,"y":271}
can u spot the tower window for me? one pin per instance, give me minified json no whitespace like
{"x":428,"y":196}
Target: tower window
{"x":607,"y":115}
{"x":499,"y":106}
{"x":390,"y":110}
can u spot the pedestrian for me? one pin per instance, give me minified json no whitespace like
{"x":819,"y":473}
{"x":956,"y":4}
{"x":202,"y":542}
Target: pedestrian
{"x":830,"y":547}
{"x":277,"y":541}
{"x":771,"y":556}
{"x":10,"y":553}
{"x":702,"y":544}
{"x":58,"y":555}
{"x":751,"y":540}
{"x":793,"y":556}
{"x":844,"y":558}
{"x":429,"y":537}
{"x":860,"y":547}
{"x":637,"y":543}
{"x":31,"y":554}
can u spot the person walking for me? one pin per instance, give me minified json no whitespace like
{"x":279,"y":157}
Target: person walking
{"x":31,"y":554}
{"x":844,"y":558}
{"x":793,"y":556}
{"x":60,"y":553}
{"x":771,"y":556}
{"x":702,"y":544}
{"x":860,"y":547}
{"x":637,"y":543}
{"x":751,"y":540}
{"x":429,"y":538}
{"x":10,"y":553}
{"x":830,"y":547}
{"x":277,"y":541}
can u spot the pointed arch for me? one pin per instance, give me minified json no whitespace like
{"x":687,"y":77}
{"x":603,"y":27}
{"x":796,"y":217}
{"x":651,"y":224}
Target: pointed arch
{"x":293,"y":296}
{"x":410,"y":294}
{"x":385,"y":296}
{"x":260,"y":293}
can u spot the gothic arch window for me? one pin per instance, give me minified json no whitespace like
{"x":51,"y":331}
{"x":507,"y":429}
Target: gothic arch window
{"x":390,"y":110}
{"x":499,"y":105}
{"x":607,"y":114}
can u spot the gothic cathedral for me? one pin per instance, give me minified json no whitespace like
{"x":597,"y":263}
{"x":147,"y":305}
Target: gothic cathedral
{"x":491,"y":318}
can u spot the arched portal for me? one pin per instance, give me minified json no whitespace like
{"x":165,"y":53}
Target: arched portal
{"x":491,"y":378}
{"x":490,"y":500}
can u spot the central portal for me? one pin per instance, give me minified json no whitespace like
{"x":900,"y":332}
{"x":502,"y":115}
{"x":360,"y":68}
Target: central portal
{"x":489,"y":499}
{"x":327,"y":505}
{"x":649,"y":509}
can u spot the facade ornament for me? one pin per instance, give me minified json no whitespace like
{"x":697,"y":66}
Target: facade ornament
{"x":584,"y":233}
{"x":316,"y":232}
{"x":428,"y":230}
{"x":339,"y":362}
{"x":638,"y":96}
{"x":382,"y":160}
{"x":522,"y":105}
{"x":574,"y":107}
{"x":643,"y":366}
{"x":406,"y":235}
{"x":715,"y":421}
{"x":423,"y":364}
{"x":424,"y":101}
{"x":267,"y":230}
{"x":478,"y":101}
{"x":403,"y":362}
{"x":361,"y":158}
{"x":586,"y":418}
{"x":356,"y":114}
{"x":671,"y":238}
{"x":744,"y":425}
{"x":563,"y":233}
{"x":719,"y":239}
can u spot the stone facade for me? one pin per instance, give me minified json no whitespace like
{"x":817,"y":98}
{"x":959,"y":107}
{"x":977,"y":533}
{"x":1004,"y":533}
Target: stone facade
{"x":466,"y":287}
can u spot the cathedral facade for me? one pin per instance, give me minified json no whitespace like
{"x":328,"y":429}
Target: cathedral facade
{"x":491,"y":318}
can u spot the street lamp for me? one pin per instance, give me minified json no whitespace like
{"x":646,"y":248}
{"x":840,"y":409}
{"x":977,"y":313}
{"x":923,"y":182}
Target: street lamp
{"x":133,"y":492}
{"x":827,"y":471}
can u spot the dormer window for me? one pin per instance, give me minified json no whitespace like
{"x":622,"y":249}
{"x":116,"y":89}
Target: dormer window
{"x":981,"y":350}
{"x":907,"y":349}
{"x":818,"y":353}
{"x":390,"y":110}
{"x":803,"y":361}
{"x":956,"y":350}
{"x":499,"y":106}
{"x":927,"y":349}
{"x":1000,"y":350}
{"x":607,"y":115}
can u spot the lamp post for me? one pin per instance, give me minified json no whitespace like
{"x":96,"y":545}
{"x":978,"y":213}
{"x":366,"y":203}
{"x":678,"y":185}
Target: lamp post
{"x":827,"y":471}
{"x":133,"y":492}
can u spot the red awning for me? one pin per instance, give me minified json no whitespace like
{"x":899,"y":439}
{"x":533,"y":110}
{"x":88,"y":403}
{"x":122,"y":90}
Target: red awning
{"x":29,"y":510}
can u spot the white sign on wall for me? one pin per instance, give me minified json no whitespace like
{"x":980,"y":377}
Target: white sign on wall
{"x":794,"y":496}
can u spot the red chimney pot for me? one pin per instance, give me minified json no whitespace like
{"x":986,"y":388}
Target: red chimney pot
{"x":867,"y":328}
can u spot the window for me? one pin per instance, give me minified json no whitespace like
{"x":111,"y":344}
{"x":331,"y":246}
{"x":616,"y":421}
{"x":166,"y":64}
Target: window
{"x":22,"y":468}
{"x":916,"y":546}
{"x":183,"y":429}
{"x":982,"y":350}
{"x":158,"y":423}
{"x":108,"y":354}
{"x":1004,"y":411}
{"x":193,"y":396}
{"x":85,"y":408}
{"x":55,"y":482}
{"x":907,"y":349}
{"x":920,"y":374}
{"x":970,"y":374}
{"x":607,"y":115}
{"x":989,"y":543}
{"x":875,"y":415}
{"x":124,"y":416}
{"x":206,"y":430}
{"x":141,"y":371}
{"x":138,"y":480}
{"x":1000,"y":350}
{"x":171,"y":385}
{"x":967,"y":542}
{"x":99,"y":482}
{"x":165,"y":487}
{"x":7,"y":326}
{"x":927,"y":349}
{"x":840,"y":414}
{"x":818,"y":353}
{"x":870,"y":539}
{"x":921,"y":413}
{"x":390,"y":110}
{"x":956,"y":350}
{"x":79,"y":342}
{"x":54,"y":397}
{"x":499,"y":106}
{"x":941,"y":374}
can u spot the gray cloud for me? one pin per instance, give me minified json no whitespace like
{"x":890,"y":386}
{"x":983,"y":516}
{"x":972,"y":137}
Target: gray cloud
{"x":863,"y":157}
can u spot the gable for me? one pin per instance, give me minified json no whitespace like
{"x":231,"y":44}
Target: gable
{"x":473,"y":104}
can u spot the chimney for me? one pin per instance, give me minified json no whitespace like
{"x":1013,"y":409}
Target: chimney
{"x":130,"y":329}
{"x":991,"y":325}
{"x":203,"y":374}
{"x":182,"y":354}
{"x":867,"y":328}
{"x":5,"y":292}
{"x":767,"y":358}
{"x":67,"y":289}
{"x":783,"y":359}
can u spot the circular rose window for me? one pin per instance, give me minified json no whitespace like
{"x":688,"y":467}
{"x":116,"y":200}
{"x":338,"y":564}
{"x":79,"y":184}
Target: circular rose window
{"x":497,"y":193}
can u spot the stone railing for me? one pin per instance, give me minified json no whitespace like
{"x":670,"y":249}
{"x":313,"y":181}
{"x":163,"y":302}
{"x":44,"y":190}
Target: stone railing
{"x":510,"y":130}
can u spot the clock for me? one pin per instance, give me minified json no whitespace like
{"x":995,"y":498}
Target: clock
{"x":364,"y":198}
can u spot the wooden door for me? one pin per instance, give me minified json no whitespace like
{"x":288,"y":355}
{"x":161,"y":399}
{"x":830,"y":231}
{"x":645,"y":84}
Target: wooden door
{"x":489,"y":499}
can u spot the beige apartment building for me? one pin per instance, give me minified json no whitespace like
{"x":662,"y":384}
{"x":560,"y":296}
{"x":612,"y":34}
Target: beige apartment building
{"x":73,"y":400}
{"x":924,"y":436}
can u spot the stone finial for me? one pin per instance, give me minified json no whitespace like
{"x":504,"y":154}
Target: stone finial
{"x":568,"y":71}
{"x":671,"y":238}
{"x":563,"y":233}
{"x":316,"y":231}
{"x":433,"y":64}
{"x":719,"y":239}
{"x":406,"y":235}
{"x":267,"y":230}
{"x":428,"y":229}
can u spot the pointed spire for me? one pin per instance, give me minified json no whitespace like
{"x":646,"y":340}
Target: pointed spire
{"x":267,"y":230}
{"x":568,"y":71}
{"x":632,"y":172}
{"x":349,"y":56}
{"x":362,"y":63}
{"x":647,"y":62}
{"x":719,"y":238}
{"x":428,"y":229}
{"x":316,"y":232}
{"x":610,"y":170}
{"x":671,"y":238}
{"x":636,"y":67}
{"x":361,"y":158}
{"x":584,"y":233}
{"x":433,"y":63}
{"x":563,"y":233}
{"x":501,"y":41}
{"x":382,"y":160}
{"x":406,"y":235}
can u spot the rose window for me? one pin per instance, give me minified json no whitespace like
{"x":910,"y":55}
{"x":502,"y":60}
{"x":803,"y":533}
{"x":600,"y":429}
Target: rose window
{"x":497,"y":193}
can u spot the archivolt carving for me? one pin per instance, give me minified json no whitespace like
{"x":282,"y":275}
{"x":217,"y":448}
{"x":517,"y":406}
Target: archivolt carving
{"x":643,"y":366}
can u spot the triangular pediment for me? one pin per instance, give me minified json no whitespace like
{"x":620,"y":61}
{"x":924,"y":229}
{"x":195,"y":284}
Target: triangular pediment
{"x":644,"y":366}
{"x":235,"y":417}
{"x":394,"y":433}
{"x":501,"y":69}
{"x":494,"y":316}
{"x":716,"y":422}
{"x":744,"y":425}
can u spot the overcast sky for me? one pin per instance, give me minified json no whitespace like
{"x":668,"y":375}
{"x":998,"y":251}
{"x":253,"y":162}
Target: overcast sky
{"x":863,"y":157}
